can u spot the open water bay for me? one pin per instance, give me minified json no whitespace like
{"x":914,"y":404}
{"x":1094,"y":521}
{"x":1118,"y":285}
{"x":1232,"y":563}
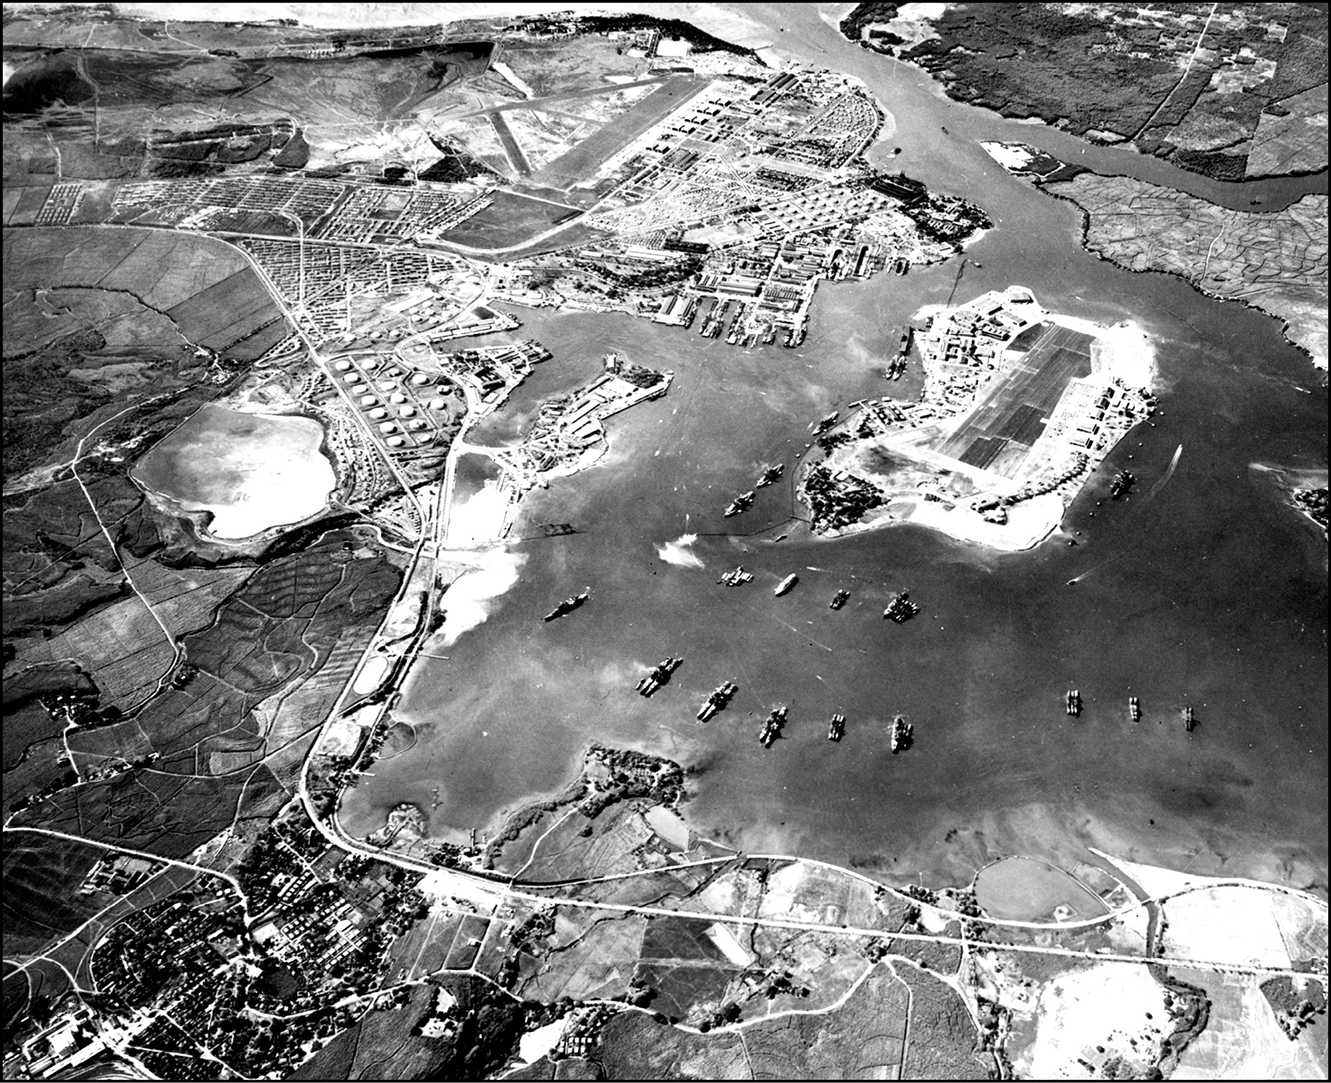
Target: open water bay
{"x":1207,"y":590}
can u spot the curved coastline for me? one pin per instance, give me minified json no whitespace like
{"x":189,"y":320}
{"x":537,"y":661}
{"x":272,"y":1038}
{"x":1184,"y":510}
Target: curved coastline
{"x":1084,"y":240}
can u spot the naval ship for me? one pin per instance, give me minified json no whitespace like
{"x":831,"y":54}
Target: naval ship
{"x":900,"y":608}
{"x":740,"y":504}
{"x":772,"y":727}
{"x":718,"y":700}
{"x":902,"y":732}
{"x":567,"y":606}
{"x":659,"y":675}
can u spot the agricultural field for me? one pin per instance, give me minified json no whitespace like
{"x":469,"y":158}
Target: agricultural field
{"x":599,"y":964}
{"x":40,"y":889}
{"x":205,"y":287}
{"x":863,"y":1038}
{"x":295,"y":621}
{"x":99,"y":319}
{"x":387,"y":1045}
{"x":122,"y":645}
{"x":1246,"y":105}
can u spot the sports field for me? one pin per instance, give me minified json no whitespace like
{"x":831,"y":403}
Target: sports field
{"x":1011,"y":413}
{"x":580,"y":163}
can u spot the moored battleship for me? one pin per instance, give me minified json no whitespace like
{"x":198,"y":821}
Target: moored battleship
{"x":826,"y":423}
{"x":902,"y":734}
{"x":1134,"y":709}
{"x":659,"y":675}
{"x":900,"y":608}
{"x":836,"y":728}
{"x":771,"y":474}
{"x":567,"y":606}
{"x":838,"y":599}
{"x":740,"y":504}
{"x":772,"y":727}
{"x":718,"y":700}
{"x":1073,"y":702}
{"x":785,"y":586}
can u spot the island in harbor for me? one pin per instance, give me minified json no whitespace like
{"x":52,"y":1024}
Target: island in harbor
{"x":1019,"y":410}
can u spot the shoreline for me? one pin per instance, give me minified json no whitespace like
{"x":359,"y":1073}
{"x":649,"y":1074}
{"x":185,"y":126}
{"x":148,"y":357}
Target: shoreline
{"x":1084,"y":241}
{"x":1127,"y":354}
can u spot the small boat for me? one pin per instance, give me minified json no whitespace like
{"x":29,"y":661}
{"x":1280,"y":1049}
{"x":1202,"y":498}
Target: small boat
{"x":1074,"y":702}
{"x":1189,"y":719}
{"x":836,"y":728}
{"x":1134,"y":709}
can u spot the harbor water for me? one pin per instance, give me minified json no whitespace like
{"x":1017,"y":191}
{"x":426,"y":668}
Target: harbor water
{"x":1206,"y":590}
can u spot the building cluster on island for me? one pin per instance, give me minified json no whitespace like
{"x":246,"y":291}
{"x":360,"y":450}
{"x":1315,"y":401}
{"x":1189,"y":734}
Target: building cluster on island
{"x":570,"y":428}
{"x":986,"y":359}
